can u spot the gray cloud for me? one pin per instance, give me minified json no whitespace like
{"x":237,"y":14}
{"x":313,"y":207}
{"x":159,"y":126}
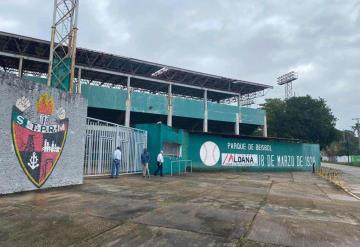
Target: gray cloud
{"x":249,"y":40}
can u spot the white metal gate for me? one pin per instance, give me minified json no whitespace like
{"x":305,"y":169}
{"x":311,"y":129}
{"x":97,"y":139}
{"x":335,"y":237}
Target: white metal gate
{"x":101,"y":140}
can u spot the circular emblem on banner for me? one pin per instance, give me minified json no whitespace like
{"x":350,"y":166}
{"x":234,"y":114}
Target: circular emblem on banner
{"x":209,"y":153}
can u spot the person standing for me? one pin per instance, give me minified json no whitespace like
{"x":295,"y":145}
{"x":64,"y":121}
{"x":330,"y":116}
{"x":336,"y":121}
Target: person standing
{"x":116,"y":163}
{"x":145,"y":157}
{"x":160,"y":162}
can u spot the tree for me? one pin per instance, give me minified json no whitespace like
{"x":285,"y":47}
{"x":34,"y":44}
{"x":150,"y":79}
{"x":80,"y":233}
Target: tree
{"x":276,"y":117}
{"x":346,"y":144}
{"x":356,"y":128}
{"x":302,"y":118}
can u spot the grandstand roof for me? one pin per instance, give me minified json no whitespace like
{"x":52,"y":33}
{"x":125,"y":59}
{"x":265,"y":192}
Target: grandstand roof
{"x":109,"y":68}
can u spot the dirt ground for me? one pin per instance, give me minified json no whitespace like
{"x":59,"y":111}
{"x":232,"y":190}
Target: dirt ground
{"x":199,"y":209}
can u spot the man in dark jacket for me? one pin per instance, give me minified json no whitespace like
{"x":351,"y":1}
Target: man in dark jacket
{"x":145,"y":158}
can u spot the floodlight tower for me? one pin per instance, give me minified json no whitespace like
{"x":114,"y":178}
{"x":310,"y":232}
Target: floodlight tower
{"x":287,"y":80}
{"x":63,"y":44}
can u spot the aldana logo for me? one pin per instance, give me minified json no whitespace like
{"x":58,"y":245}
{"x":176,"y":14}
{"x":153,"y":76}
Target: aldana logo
{"x":39,"y":136}
{"x":229,"y":159}
{"x":209,"y":153}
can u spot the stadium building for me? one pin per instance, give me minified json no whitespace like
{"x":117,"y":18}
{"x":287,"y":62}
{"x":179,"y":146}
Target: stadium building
{"x":130,"y":91}
{"x":194,"y":117}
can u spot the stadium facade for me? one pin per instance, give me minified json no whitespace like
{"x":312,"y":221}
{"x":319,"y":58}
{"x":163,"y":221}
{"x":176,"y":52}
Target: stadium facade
{"x":130,"y":91}
{"x":192,"y":116}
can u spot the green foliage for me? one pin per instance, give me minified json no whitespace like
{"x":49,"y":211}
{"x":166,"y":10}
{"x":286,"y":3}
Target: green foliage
{"x":346,"y":144}
{"x":302,"y":118}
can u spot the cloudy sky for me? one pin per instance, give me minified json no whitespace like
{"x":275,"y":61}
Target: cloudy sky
{"x":255,"y":40}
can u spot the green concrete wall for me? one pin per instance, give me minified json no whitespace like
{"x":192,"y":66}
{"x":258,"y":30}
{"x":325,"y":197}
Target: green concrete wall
{"x":252,"y":154}
{"x":36,"y":79}
{"x":158,"y":134}
{"x":102,"y":97}
{"x":355,"y":159}
{"x":233,"y":153}
{"x":110,"y":98}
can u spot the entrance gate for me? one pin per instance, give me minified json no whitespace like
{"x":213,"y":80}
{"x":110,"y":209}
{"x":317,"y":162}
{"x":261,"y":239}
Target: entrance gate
{"x":101,"y":140}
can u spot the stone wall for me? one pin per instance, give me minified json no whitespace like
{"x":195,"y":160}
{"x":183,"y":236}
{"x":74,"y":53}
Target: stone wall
{"x":53,"y":156}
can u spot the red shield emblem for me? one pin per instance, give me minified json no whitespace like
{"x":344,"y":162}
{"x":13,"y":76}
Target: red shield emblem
{"x":38,"y":138}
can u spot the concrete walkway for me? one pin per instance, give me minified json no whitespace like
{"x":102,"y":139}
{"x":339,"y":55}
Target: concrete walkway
{"x":199,"y":209}
{"x":351,"y":176}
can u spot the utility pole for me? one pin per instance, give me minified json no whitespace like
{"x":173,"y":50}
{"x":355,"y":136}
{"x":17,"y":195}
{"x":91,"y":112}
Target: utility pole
{"x":346,"y":142}
{"x":63,"y":44}
{"x":347,"y":147}
{"x":357,"y":128}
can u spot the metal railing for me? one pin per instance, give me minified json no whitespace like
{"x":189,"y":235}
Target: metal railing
{"x":334,"y":176}
{"x":179,"y":162}
{"x":331,"y":174}
{"x":102,"y":138}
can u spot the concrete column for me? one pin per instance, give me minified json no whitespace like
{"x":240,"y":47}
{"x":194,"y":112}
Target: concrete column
{"x":237,"y":127}
{"x":265,"y":127}
{"x":79,"y":81}
{"x":128,"y":104}
{"x":238,"y":117}
{"x":20,"y":70}
{"x":170,"y":107}
{"x":205,"y":124}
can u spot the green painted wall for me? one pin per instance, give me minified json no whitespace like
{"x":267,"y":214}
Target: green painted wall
{"x":103,"y":97}
{"x":188,"y":108}
{"x":148,"y":103}
{"x":355,"y":159}
{"x":234,"y":153}
{"x":251,"y":154}
{"x":36,"y":79}
{"x":157,"y":135}
{"x":110,"y":98}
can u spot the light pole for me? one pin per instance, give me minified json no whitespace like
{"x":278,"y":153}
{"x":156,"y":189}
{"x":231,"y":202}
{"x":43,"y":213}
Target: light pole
{"x":347,"y":145}
{"x":287,"y":80}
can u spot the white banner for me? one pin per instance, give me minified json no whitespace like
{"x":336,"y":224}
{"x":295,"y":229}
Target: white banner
{"x":228,"y":159}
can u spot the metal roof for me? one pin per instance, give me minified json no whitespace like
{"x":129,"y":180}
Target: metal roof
{"x":109,"y":68}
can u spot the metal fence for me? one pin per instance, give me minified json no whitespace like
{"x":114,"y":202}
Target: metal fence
{"x":101,"y":140}
{"x":186,"y":164}
{"x":334,"y":175}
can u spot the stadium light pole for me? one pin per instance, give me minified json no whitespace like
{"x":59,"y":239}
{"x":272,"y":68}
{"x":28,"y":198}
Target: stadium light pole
{"x":287,"y":80}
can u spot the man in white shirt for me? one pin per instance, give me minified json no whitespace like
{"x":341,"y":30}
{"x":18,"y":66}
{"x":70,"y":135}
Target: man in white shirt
{"x":160,"y":162}
{"x":116,"y":163}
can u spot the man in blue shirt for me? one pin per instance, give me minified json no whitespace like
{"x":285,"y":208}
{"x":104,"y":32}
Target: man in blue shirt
{"x":145,"y":158}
